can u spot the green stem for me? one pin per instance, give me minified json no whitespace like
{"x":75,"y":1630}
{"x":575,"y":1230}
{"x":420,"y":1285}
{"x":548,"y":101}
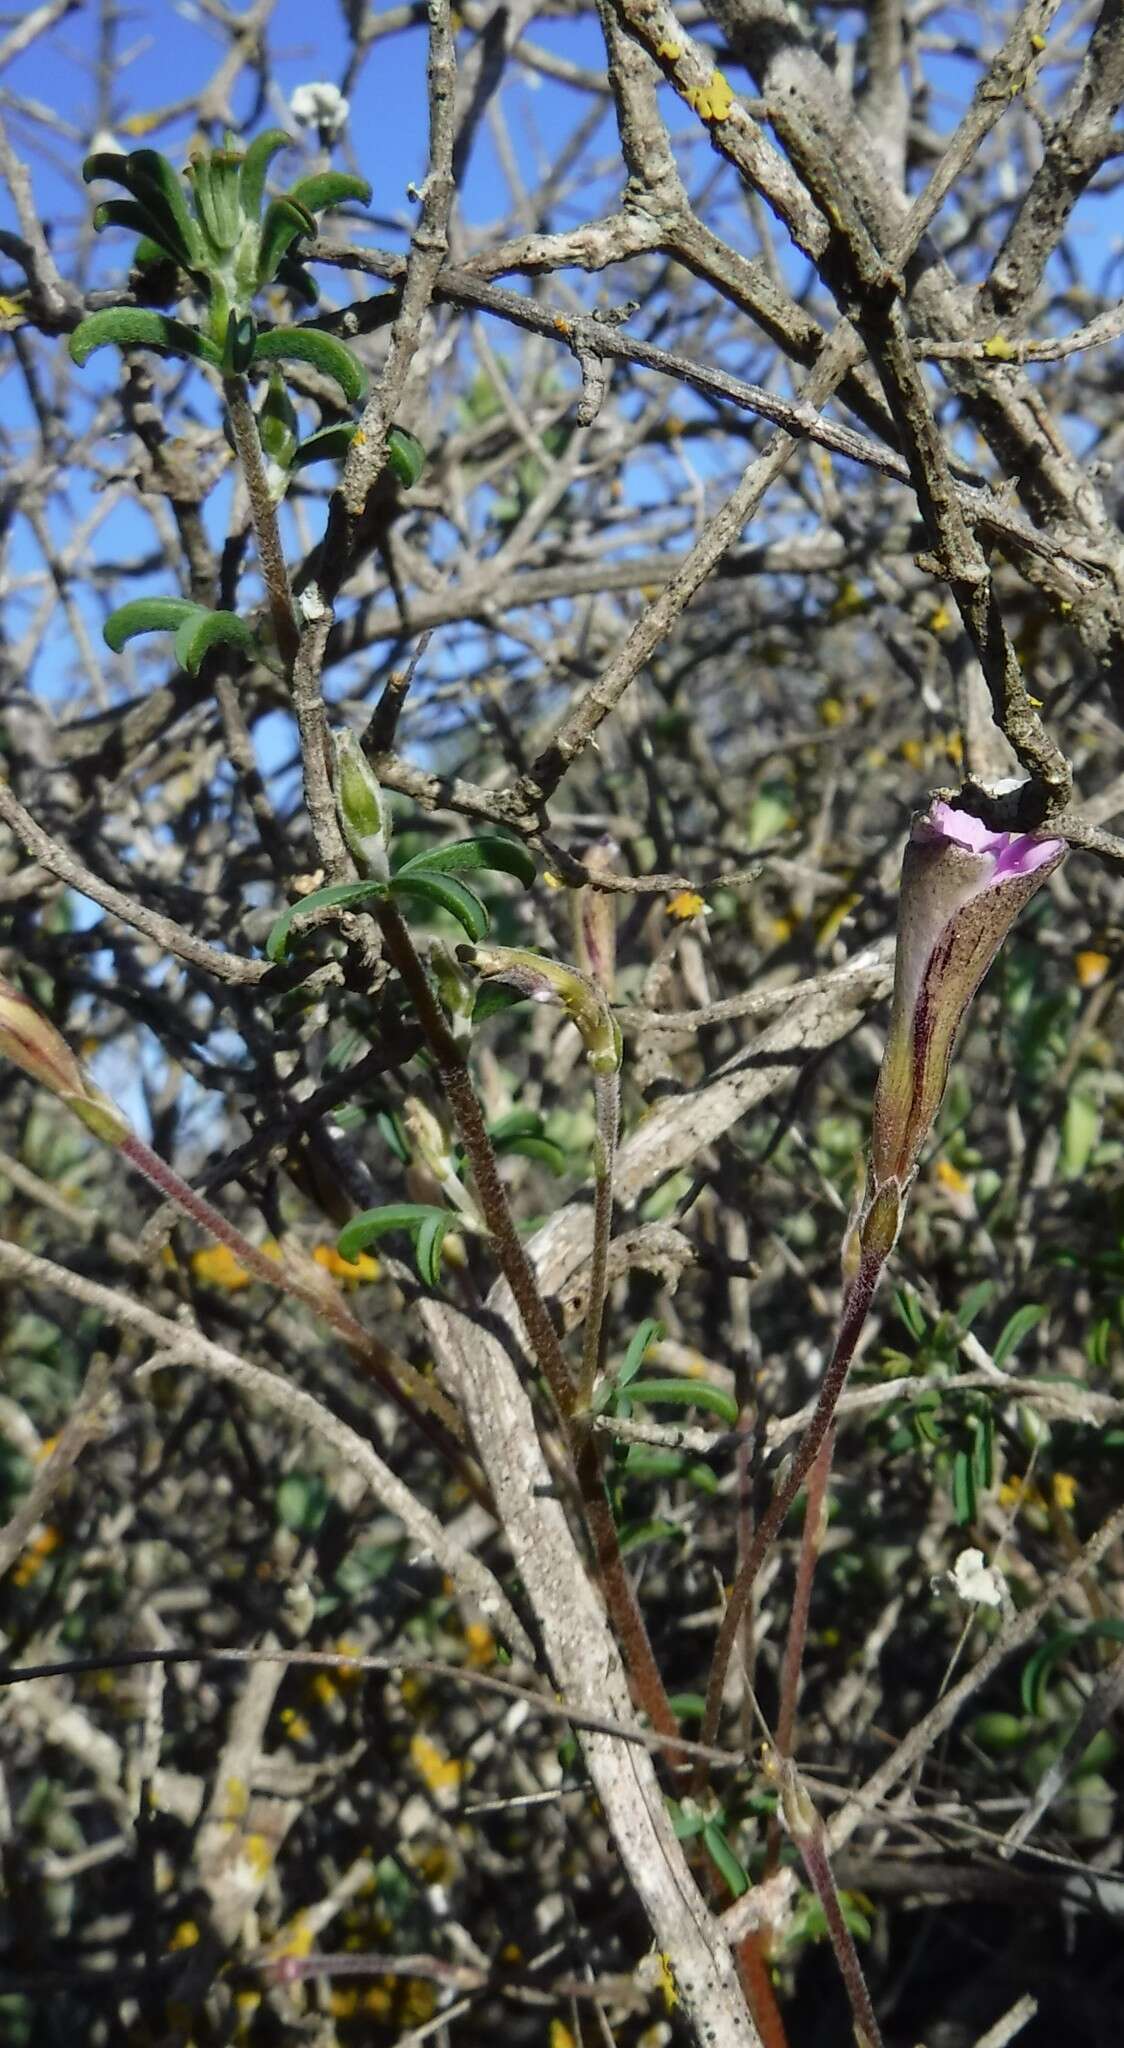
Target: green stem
{"x":263,"y":515}
{"x":607,"y":1099}
{"x":619,"y":1592}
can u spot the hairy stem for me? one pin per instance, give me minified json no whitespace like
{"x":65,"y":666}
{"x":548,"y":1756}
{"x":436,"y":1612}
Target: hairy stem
{"x":811,"y":1542}
{"x":607,"y":1099}
{"x":263,"y":514}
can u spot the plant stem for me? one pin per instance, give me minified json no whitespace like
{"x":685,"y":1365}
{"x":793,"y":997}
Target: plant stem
{"x":856,"y":1307}
{"x":263,"y":514}
{"x":807,"y":1830}
{"x":815,"y":1523}
{"x":607,"y":1100}
{"x":619,"y":1592}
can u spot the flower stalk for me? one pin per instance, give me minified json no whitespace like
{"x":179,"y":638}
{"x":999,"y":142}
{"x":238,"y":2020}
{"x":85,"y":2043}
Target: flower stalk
{"x":962,"y":888}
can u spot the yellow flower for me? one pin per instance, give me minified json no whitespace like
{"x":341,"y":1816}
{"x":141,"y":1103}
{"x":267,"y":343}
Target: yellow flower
{"x":186,"y":1935}
{"x":36,"y":1554}
{"x":216,"y":1266}
{"x":914,"y":752}
{"x":832,"y":711}
{"x":480,"y":1644}
{"x":560,"y":2035}
{"x":140,"y":124}
{"x":950,"y":1177}
{"x":684,"y":904}
{"x":1064,"y":1491}
{"x":1020,"y":1493}
{"x":1090,"y":968}
{"x":351,"y":1271}
{"x":940,"y":620}
{"x":441,"y":1773}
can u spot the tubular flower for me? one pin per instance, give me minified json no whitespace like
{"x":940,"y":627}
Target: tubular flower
{"x":31,"y":1042}
{"x":962,"y":888}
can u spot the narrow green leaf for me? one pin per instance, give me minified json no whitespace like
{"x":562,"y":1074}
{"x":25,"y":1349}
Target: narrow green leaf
{"x":343,"y":893}
{"x":140,"y":327}
{"x":371,"y":1224}
{"x":963,"y":1488}
{"x":198,"y":635}
{"x":329,"y":188}
{"x":1020,"y":1325}
{"x":724,"y":1860}
{"x":911,"y":1313}
{"x":296,"y":279}
{"x":406,"y":458}
{"x":464,"y":856}
{"x":643,"y":1337}
{"x":327,"y":444}
{"x":518,"y":1123}
{"x":687,"y":1706}
{"x":443,"y":893}
{"x":147,"y":615}
{"x":543,"y":1149}
{"x":108,"y":167}
{"x":322,"y":351}
{"x":634,"y":1535}
{"x":1036,"y":1671}
{"x":283,"y":223}
{"x":977,"y":1298}
{"x":238,"y":348}
{"x":256,"y":163}
{"x":126,"y":213}
{"x":428,"y":1246}
{"x":155,"y":182}
{"x":686,"y":1394}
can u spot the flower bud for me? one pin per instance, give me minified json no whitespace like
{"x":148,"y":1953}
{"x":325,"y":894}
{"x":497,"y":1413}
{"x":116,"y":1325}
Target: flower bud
{"x":360,"y":804}
{"x":595,"y":920}
{"x":32,"y":1043}
{"x":962,"y":888}
{"x":548,"y":981}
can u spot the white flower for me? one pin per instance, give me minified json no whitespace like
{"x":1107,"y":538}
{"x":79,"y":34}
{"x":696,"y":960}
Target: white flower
{"x":977,"y":1582}
{"x":321,"y":104}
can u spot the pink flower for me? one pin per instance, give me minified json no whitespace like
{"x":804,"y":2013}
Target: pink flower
{"x":962,"y":888}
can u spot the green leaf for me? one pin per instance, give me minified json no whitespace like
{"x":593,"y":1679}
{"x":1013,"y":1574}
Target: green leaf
{"x":126,"y":213}
{"x":238,"y":348}
{"x":140,"y":327}
{"x":339,"y":892}
{"x":1020,"y":1325}
{"x":963,"y":1488}
{"x":329,"y":188}
{"x":983,"y":1450}
{"x":147,"y":615}
{"x":106,"y":166}
{"x":543,"y":1149}
{"x":646,"y":1334}
{"x":322,"y":351}
{"x":465,"y":856}
{"x":724,"y":1860}
{"x":1081,"y":1129}
{"x":687,"y":1706}
{"x":302,"y":1502}
{"x":158,"y":186}
{"x":296,"y":279}
{"x":911,"y":1313}
{"x":406,"y":458}
{"x":283,"y":223}
{"x":371,"y":1224}
{"x":518,"y":1123}
{"x":635,"y":1535}
{"x":1036,"y":1671}
{"x":205,"y":630}
{"x":492,"y":997}
{"x":977,"y":1298}
{"x":327,"y":444}
{"x":428,"y":1245}
{"x":391,"y":1130}
{"x":443,"y":893}
{"x":686,"y":1394}
{"x":255,"y":164}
